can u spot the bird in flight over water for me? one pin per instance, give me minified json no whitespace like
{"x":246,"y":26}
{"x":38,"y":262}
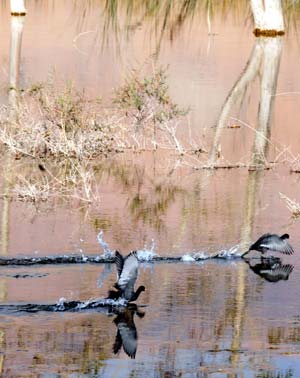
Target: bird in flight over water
{"x":272,"y":242}
{"x":127,"y":272}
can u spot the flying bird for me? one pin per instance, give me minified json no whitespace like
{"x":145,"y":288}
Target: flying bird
{"x":127,"y":272}
{"x":272,"y":242}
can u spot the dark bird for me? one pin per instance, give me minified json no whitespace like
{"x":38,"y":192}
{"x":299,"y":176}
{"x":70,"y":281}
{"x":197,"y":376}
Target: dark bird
{"x":41,"y":167}
{"x":127,"y":271}
{"x":127,"y":335}
{"x":272,"y":270}
{"x":272,"y":242}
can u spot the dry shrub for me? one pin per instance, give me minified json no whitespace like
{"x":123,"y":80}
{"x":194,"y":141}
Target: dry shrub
{"x":63,"y":131}
{"x":50,"y":124}
{"x":292,"y":205}
{"x":149,"y":113}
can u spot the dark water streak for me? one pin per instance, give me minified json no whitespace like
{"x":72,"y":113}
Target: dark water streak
{"x":78,"y":259}
{"x":103,"y":304}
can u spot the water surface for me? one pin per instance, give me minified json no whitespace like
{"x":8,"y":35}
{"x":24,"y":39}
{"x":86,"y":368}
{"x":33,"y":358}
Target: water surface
{"x":203,"y":319}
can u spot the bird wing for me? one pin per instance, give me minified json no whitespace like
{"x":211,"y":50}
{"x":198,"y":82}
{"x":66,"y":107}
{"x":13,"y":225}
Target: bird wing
{"x":119,"y":260}
{"x":280,"y":245}
{"x":129,"y":337}
{"x":129,"y":273}
{"x":279,"y":273}
{"x":256,"y":246}
{"x":118,"y":343}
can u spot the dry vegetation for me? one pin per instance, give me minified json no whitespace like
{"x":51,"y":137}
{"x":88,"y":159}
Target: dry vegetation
{"x":148,"y":113}
{"x":63,"y":132}
{"x":292,"y":205}
{"x":57,"y":125}
{"x":56,"y":137}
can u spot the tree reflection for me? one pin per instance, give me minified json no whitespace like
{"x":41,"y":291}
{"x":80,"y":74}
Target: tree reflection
{"x":264,"y":60}
{"x":263,"y":63}
{"x":150,"y":193}
{"x":165,"y":18}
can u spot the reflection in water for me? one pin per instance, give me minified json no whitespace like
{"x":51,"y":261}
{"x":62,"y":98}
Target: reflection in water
{"x":17,"y":25}
{"x":267,"y":51}
{"x":271,"y":270}
{"x":236,"y":95}
{"x":150,"y":194}
{"x":263,"y":62}
{"x":18,"y":12}
{"x":127,"y":335}
{"x":164,"y":18}
{"x":7,"y":174}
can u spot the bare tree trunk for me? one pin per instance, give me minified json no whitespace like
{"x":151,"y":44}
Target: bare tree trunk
{"x":272,"y":48}
{"x":268,"y":18}
{"x":247,"y":76}
{"x":17,"y":7}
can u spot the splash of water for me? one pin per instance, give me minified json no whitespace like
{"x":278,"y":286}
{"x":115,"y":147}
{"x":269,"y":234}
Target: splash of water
{"x":107,"y":251}
{"x":147,"y":254}
{"x":187,"y":258}
{"x":102,"y":302}
{"x":60,"y":305}
{"x":223,"y":254}
{"x":229,"y":253}
{"x":104,"y":274}
{"x":202,"y":256}
{"x":84,"y":258}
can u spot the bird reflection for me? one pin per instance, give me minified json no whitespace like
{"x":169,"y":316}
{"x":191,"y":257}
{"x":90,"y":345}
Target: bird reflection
{"x":271,"y":270}
{"x":127,"y":335}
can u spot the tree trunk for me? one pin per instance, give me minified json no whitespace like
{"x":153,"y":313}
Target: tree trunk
{"x":17,"y":7}
{"x":268,"y":18}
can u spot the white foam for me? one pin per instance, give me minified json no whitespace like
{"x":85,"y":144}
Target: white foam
{"x":84,"y":258}
{"x":144,"y":255}
{"x":231,"y":252}
{"x":187,"y":258}
{"x":61,"y":303}
{"x":90,"y":303}
{"x":202,"y":256}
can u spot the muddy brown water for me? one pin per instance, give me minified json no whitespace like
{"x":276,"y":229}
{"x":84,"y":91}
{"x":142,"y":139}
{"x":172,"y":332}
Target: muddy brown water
{"x":207,"y":319}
